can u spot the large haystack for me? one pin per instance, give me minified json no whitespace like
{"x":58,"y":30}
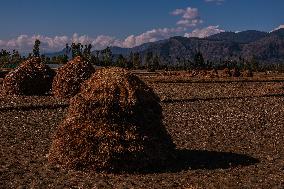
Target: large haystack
{"x":31,"y":78}
{"x":69,"y":77}
{"x":113,"y":124}
{"x":235,"y":72}
{"x":226,"y":73}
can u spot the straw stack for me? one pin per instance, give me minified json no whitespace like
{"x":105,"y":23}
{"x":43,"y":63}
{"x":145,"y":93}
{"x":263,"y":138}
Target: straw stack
{"x":31,"y":78}
{"x":69,"y":77}
{"x":113,"y":124}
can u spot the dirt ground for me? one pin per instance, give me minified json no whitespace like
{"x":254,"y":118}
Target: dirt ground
{"x":228,"y":135}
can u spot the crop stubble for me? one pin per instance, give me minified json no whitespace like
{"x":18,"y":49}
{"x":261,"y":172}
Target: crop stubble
{"x":233,"y":142}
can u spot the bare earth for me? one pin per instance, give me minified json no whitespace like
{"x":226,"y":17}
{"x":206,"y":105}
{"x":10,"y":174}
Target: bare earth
{"x":228,"y":135}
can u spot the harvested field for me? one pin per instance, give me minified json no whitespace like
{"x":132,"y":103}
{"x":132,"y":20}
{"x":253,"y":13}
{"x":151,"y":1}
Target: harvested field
{"x":228,"y":135}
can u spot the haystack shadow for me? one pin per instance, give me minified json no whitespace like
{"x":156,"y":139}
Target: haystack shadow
{"x":200,"y":160}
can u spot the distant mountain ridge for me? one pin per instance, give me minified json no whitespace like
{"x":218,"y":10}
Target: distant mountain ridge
{"x":266,"y":47}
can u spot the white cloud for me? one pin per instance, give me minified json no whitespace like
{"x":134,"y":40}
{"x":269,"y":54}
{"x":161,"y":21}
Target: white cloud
{"x":24,"y":43}
{"x":189,"y":17}
{"x":279,"y":27}
{"x":157,"y":34}
{"x":204,"y":32}
{"x":178,"y":12}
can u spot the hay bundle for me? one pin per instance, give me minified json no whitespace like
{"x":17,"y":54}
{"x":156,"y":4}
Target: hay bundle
{"x":113,"y":124}
{"x":69,"y":77}
{"x":202,"y":73}
{"x":193,"y":73}
{"x":31,"y":78}
{"x":226,"y":73}
{"x":212,"y":74}
{"x":247,"y":73}
{"x":235,"y":72}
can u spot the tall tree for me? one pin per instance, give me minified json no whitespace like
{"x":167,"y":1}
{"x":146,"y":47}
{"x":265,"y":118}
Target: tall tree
{"x":76,"y":49}
{"x":36,"y":51}
{"x":136,"y":60}
{"x":199,"y":60}
{"x":149,"y":60}
{"x":87,"y":52}
{"x":107,"y":57}
{"x":4,"y":58}
{"x":156,"y":62}
{"x":121,"y":61}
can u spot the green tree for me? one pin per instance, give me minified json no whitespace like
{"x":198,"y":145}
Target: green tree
{"x":199,"y":60}
{"x":149,"y":60}
{"x":36,"y":50}
{"x":136,"y":60}
{"x":4,"y":58}
{"x":76,"y":49}
{"x":121,"y":61}
{"x":15,"y":58}
{"x":254,"y":64}
{"x":156,"y":62}
{"x":107,"y":57}
{"x":87,"y":52}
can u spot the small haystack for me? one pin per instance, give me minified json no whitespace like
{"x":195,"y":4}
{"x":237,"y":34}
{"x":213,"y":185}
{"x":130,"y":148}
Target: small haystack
{"x":113,"y":124}
{"x":31,"y":78}
{"x":226,"y":73}
{"x":69,"y":77}
{"x":212,"y":74}
{"x":193,"y":73}
{"x":202,"y":73}
{"x":235,"y":72}
{"x":247,"y":73}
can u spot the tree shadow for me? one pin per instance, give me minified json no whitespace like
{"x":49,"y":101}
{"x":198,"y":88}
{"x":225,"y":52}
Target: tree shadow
{"x":201,"y":159}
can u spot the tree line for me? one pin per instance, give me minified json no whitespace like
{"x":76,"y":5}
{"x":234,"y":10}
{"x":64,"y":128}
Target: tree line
{"x":149,"y":61}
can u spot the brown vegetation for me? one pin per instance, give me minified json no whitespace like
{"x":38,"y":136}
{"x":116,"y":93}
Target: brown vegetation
{"x":226,"y":73}
{"x":69,"y":77}
{"x":224,"y":139}
{"x":113,"y":124}
{"x":32,"y":77}
{"x":247,"y":73}
{"x":235,"y":72}
{"x":212,"y":74}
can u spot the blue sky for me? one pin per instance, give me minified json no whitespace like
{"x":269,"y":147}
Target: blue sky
{"x":128,"y":23}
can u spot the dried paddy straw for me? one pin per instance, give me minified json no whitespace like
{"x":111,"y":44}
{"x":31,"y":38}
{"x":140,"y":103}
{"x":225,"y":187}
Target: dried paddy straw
{"x":69,"y":77}
{"x":247,"y":73}
{"x":235,"y":72}
{"x":226,"y":73}
{"x":32,"y":77}
{"x":113,"y":124}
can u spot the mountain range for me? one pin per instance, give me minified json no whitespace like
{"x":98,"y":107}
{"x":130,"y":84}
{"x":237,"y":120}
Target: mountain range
{"x":263,"y":46}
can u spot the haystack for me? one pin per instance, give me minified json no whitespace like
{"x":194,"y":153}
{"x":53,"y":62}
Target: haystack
{"x":235,"y":72}
{"x":113,"y":124}
{"x":69,"y":77}
{"x":247,"y":73}
{"x":31,"y":78}
{"x":193,"y":73}
{"x":212,"y":74}
{"x":226,"y":73}
{"x":202,"y":73}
